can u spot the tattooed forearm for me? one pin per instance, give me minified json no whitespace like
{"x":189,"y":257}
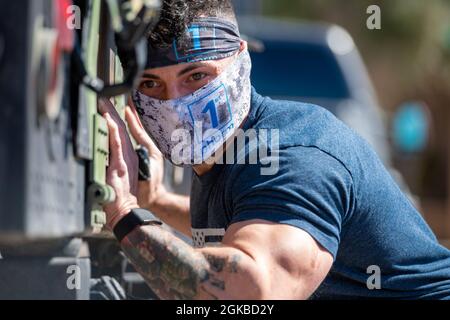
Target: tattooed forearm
{"x":175,"y":270}
{"x":218,"y":264}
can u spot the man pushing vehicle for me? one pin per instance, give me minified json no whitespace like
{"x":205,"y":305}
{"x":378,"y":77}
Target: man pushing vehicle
{"x":310,"y":228}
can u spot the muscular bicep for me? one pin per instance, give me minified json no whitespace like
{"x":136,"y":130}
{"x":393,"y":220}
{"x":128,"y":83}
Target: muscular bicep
{"x":289,"y":261}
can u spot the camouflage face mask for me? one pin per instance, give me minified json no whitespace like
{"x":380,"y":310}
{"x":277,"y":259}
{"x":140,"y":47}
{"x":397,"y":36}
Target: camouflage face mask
{"x":190,"y":129}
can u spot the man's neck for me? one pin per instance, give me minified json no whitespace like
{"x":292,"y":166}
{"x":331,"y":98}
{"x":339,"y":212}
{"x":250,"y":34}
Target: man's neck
{"x":203,"y":168}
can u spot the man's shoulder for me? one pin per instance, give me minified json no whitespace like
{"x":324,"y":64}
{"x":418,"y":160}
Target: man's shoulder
{"x":298,"y":117}
{"x":308,"y":125}
{"x":302,"y":125}
{"x":281,"y":113}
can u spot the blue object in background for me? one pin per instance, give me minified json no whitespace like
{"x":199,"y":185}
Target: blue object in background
{"x":411,"y":125}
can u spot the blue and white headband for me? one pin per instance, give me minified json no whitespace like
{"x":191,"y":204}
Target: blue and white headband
{"x":206,"y":39}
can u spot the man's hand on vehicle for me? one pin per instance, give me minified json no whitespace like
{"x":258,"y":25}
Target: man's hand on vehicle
{"x":122,"y":172}
{"x":152,"y":190}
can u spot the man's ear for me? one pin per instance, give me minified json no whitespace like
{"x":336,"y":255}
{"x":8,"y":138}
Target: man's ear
{"x":244,"y":46}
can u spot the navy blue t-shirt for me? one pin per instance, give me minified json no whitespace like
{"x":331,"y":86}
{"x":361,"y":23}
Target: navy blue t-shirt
{"x":332,"y":185}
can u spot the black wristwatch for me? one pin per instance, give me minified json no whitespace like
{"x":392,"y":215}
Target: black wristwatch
{"x":136,"y":217}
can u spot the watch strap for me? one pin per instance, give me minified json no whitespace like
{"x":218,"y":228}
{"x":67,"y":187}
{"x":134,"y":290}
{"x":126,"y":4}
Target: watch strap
{"x":136,"y":217}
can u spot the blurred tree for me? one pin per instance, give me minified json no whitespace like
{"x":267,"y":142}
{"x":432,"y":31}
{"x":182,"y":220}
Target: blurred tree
{"x":411,"y":34}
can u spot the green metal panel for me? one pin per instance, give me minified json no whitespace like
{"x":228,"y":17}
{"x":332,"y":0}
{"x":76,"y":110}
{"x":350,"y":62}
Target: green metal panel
{"x":91,"y":58}
{"x":101,"y":147}
{"x":98,"y":192}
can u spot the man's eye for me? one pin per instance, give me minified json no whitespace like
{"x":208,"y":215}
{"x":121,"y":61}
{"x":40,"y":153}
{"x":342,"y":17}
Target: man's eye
{"x":150,"y":84}
{"x":197,"y":76}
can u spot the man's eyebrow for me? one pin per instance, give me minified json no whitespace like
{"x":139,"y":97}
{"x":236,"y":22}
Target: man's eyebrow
{"x":150,"y":76}
{"x":191,"y":67}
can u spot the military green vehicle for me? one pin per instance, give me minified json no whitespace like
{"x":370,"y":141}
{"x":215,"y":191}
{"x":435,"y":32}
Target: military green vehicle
{"x":56,"y":59}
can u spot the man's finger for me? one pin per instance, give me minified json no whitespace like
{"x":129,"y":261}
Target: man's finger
{"x":115,"y":143}
{"x":136,"y":130}
{"x":106,"y":106}
{"x":134,"y":111}
{"x":139,"y":133}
